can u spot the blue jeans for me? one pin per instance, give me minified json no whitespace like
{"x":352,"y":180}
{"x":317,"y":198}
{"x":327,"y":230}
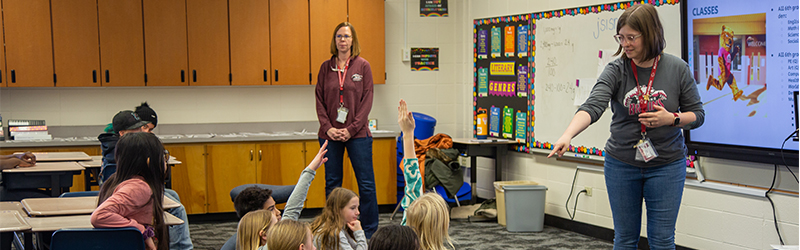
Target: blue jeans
{"x":661,"y":187}
{"x":178,"y":234}
{"x":360,"y":152}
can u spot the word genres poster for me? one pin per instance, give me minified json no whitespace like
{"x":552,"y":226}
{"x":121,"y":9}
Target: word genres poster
{"x":502,"y":74}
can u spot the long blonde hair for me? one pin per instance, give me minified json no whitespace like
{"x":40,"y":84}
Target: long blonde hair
{"x":287,"y":235}
{"x":252,"y":225}
{"x":429,"y":216}
{"x":328,"y":224}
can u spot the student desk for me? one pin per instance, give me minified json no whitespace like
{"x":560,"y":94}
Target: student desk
{"x":60,"y":156}
{"x":70,"y":205}
{"x":53,"y":175}
{"x":93,"y":166}
{"x":10,"y":223}
{"x":492,"y":148}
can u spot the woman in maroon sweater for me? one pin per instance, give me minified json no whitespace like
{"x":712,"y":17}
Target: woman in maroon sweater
{"x":344,"y":99}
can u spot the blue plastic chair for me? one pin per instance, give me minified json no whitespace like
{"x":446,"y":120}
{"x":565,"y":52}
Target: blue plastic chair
{"x":80,"y":194}
{"x":126,"y":238}
{"x":464,"y":193}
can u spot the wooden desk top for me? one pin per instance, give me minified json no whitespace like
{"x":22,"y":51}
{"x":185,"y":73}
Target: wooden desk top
{"x":70,"y":205}
{"x":60,"y":156}
{"x":53,"y":223}
{"x":47,"y":167}
{"x":12,"y":221}
{"x":490,"y":140}
{"x":97,"y":161}
{"x":12,"y":205}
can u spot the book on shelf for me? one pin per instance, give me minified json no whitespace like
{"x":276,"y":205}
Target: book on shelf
{"x":16,"y":123}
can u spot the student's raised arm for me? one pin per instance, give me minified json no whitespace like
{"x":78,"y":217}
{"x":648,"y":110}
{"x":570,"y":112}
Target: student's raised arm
{"x":410,"y":162}
{"x":298,"y":197}
{"x":406,"y":121}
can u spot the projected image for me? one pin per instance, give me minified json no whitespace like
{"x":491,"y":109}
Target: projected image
{"x":731,"y":59}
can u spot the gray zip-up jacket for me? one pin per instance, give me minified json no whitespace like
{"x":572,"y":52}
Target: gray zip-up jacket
{"x":673,"y":88}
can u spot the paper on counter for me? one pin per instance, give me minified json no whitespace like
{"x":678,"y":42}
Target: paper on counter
{"x":583,"y":90}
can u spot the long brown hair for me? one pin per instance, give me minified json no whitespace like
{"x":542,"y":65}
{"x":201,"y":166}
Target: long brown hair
{"x":329,"y":223}
{"x":141,"y":154}
{"x":644,"y":18}
{"x":355,"y":47}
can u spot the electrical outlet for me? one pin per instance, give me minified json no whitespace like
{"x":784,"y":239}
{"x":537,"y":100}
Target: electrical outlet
{"x":588,"y":191}
{"x":463,"y":161}
{"x":405,"y":54}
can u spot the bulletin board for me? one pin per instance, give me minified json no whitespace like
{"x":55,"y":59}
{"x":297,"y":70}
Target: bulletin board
{"x":563,"y":47}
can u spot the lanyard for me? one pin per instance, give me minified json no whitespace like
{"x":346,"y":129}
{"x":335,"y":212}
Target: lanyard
{"x":644,"y":98}
{"x":342,"y":76}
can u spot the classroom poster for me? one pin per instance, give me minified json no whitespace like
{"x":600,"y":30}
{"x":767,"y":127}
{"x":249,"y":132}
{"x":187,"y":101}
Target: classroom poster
{"x":433,"y":8}
{"x":424,"y":59}
{"x":502,"y":75}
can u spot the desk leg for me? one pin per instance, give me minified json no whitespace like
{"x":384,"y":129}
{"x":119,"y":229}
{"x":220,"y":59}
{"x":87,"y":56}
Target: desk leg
{"x":168,"y":182}
{"x":473,"y":177}
{"x":87,"y":180}
{"x":5,"y":240}
{"x":500,"y":161}
{"x":55,"y":188}
{"x":28,"y":240}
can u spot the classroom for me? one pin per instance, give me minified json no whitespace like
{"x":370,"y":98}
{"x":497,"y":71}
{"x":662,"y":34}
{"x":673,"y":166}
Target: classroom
{"x":226,"y":128}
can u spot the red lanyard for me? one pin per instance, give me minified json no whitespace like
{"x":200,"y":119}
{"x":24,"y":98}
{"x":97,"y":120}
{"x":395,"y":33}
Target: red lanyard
{"x":342,"y":76}
{"x":644,"y":98}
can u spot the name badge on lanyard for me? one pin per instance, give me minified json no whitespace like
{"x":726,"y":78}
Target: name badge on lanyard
{"x":645,"y":151}
{"x":342,"y":110}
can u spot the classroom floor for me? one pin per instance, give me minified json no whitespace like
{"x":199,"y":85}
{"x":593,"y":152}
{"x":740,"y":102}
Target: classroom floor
{"x":466,"y":235}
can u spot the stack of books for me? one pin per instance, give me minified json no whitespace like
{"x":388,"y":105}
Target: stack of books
{"x":22,"y":130}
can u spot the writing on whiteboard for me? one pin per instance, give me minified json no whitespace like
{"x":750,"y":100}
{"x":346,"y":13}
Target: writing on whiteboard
{"x":608,"y":24}
{"x":562,"y":87}
{"x":563,"y":43}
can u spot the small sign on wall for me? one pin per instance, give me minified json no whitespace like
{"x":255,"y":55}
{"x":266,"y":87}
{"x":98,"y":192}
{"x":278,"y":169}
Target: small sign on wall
{"x":433,"y":8}
{"x":424,"y":59}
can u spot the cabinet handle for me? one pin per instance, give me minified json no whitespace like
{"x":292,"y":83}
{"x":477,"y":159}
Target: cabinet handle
{"x":13,"y":76}
{"x":259,"y":155}
{"x":194,"y":75}
{"x":276,"y":75}
{"x":265,"y":75}
{"x":183,"y":76}
{"x":251,"y":155}
{"x":94,"y":76}
{"x":107,"y":76}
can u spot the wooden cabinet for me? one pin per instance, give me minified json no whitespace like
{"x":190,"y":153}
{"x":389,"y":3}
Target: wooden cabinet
{"x":29,"y":49}
{"x":121,"y":42}
{"x":250,"y":44}
{"x":367,"y":17}
{"x":209,"y":58}
{"x":76,"y":50}
{"x":316,"y":193}
{"x":189,"y":178}
{"x":166,"y":54}
{"x":289,"y":42}
{"x":228,"y":166}
{"x":325,"y":15}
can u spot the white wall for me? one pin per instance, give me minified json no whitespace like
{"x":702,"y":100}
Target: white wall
{"x":708,"y":219}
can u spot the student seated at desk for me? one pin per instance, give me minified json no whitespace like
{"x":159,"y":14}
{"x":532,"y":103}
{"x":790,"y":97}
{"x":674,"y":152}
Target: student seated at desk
{"x":19,"y":160}
{"x":132,"y":197}
{"x":143,"y":120}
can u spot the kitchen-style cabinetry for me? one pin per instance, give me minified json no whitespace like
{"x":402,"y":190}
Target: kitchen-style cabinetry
{"x":121,"y":42}
{"x":228,"y":166}
{"x":76,"y":50}
{"x":250,"y":44}
{"x":189,"y":177}
{"x":289,"y":42}
{"x":367,"y":17}
{"x":166,"y":55}
{"x":209,"y":58}
{"x":325,"y":15}
{"x":28,"y":41}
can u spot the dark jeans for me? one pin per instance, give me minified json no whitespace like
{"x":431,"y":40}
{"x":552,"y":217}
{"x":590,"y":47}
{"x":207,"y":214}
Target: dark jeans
{"x":360,"y":152}
{"x":661,"y":188}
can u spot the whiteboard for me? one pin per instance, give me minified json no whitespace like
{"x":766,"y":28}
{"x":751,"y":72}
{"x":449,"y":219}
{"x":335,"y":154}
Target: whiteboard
{"x":567,"y":49}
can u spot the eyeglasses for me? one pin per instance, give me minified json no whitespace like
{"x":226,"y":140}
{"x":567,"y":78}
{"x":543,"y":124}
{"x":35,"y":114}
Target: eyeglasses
{"x":629,"y":39}
{"x":343,"y":37}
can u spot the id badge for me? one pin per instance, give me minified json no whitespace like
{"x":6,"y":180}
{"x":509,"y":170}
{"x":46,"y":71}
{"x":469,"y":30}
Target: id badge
{"x":342,"y":117}
{"x":645,"y":150}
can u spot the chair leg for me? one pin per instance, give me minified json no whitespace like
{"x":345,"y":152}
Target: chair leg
{"x":395,"y":211}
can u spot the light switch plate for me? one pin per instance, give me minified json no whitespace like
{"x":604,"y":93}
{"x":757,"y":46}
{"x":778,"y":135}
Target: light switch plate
{"x":406,"y":55}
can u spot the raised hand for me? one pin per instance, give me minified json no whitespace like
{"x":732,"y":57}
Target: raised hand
{"x":320,"y":158}
{"x":404,"y":118}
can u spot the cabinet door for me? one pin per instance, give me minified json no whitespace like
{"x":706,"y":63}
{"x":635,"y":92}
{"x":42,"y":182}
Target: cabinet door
{"x":121,"y":42}
{"x":289,"y":42}
{"x":384,"y":167}
{"x":325,"y":15}
{"x":280,"y":163}
{"x":316,"y":193}
{"x":76,"y":51}
{"x":166,"y":54}
{"x":189,"y":178}
{"x":250,"y":55}
{"x":209,"y":60}
{"x":229,"y":165}
{"x":29,"y":49}
{"x":367,"y":17}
